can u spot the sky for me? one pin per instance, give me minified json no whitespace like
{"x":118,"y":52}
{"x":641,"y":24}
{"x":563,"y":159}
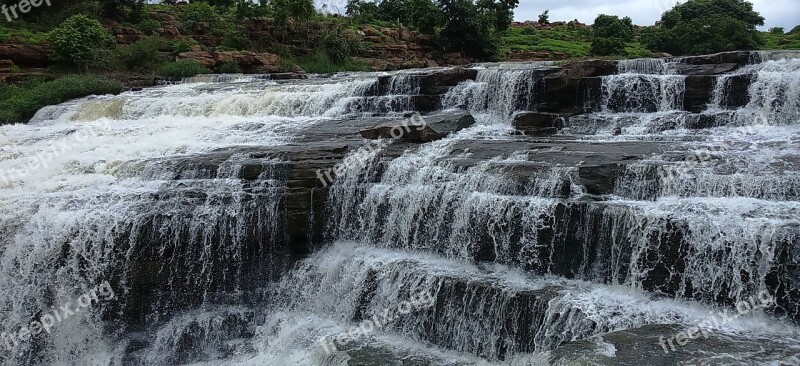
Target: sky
{"x":777,"y":13}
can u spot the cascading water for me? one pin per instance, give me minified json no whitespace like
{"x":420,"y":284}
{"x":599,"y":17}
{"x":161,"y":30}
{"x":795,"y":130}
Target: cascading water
{"x":497,"y":92}
{"x":636,"y":222}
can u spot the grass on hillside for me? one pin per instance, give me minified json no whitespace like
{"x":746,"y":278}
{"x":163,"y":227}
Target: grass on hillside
{"x":572,"y":41}
{"x":20,"y":102}
{"x":774,"y":41}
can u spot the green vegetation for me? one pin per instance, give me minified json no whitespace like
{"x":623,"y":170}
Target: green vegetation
{"x":20,"y":102}
{"x":707,"y":26}
{"x":571,"y":40}
{"x":144,"y":55}
{"x":610,"y":34}
{"x":230,"y":67}
{"x":80,"y":42}
{"x":780,"y":41}
{"x":183,"y":69}
{"x":321,"y":63}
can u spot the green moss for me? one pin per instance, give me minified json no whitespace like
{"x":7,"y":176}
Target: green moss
{"x":20,"y":102}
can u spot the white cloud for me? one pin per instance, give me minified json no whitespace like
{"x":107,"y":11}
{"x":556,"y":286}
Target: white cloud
{"x":778,"y":13}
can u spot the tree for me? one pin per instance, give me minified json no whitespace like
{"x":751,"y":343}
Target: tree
{"x":500,"y":11}
{"x":544,"y":18}
{"x":365,"y":11}
{"x":707,"y":26}
{"x":132,"y":10}
{"x":425,"y":16}
{"x":79,"y":41}
{"x":466,"y":29}
{"x":610,"y":33}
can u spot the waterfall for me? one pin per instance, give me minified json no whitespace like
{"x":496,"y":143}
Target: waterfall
{"x":497,"y":91}
{"x":192,"y":219}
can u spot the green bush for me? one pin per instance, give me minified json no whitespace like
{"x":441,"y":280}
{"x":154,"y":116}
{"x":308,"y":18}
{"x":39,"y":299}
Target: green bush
{"x":149,"y":26}
{"x":230,"y":67}
{"x":321,"y":63}
{"x":79,"y":41}
{"x":235,"y":40}
{"x":183,"y":69}
{"x":183,"y":45}
{"x":340,"y":45}
{"x":14,"y":69}
{"x":19,"y":103}
{"x":197,"y":12}
{"x":144,"y":54}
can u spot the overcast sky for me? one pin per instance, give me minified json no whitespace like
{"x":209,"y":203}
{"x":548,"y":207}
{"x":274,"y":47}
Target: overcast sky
{"x":778,"y":13}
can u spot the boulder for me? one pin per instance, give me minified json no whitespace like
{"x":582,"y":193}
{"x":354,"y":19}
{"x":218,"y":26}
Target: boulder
{"x":425,"y":129}
{"x":538,"y":124}
{"x":440,"y":81}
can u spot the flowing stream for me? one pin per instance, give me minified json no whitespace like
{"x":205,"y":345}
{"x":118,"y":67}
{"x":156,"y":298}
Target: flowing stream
{"x":165,"y":221}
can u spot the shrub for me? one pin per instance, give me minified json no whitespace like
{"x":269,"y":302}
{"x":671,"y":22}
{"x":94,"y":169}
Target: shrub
{"x":183,"y":45}
{"x":197,"y":12}
{"x":234,"y":40}
{"x":340,"y":45}
{"x":21,"y":102}
{"x":144,"y":54}
{"x":80,"y":42}
{"x":230,"y":67}
{"x":183,"y":69}
{"x":776,"y":30}
{"x":149,"y":26}
{"x":321,"y":63}
{"x":14,"y":69}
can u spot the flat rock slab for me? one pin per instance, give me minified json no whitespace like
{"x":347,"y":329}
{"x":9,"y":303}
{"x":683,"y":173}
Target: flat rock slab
{"x":421,"y":129}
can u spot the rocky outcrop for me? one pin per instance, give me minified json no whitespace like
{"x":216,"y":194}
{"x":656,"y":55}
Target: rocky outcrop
{"x":538,"y":124}
{"x":423,"y":129}
{"x":25,"y":55}
{"x":249,"y":62}
{"x":439,"y":82}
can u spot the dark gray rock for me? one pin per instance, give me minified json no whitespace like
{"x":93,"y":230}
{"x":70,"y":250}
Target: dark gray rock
{"x":537,"y":123}
{"x":434,"y":127}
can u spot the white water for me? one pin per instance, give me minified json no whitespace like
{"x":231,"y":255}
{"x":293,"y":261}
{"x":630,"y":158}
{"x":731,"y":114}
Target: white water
{"x":502,"y":233}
